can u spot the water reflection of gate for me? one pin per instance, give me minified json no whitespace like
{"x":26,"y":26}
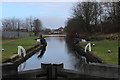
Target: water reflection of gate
{"x":80,"y":60}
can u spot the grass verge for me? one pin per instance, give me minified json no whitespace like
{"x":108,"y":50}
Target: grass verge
{"x":101,"y":50}
{"x":10,"y":48}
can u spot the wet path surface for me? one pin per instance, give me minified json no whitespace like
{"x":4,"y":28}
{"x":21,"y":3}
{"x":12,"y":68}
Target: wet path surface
{"x":56,"y":52}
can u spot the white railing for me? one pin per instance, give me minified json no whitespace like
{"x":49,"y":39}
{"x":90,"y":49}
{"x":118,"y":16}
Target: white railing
{"x":88,"y":45}
{"x":21,"y":51}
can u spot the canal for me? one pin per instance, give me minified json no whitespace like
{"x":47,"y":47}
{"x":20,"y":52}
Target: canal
{"x":57,"y":51}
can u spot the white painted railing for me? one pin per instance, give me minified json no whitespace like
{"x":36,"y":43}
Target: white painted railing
{"x":21,"y":51}
{"x":88,"y":45}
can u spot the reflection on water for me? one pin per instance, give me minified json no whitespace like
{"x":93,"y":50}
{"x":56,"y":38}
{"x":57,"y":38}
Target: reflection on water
{"x":42,"y":52}
{"x":57,"y":51}
{"x":22,"y":67}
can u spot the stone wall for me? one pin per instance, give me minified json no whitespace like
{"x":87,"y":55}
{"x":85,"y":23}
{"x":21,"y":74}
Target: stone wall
{"x":103,"y":70}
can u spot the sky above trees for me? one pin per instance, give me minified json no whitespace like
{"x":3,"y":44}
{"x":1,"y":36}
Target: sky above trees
{"x":51,"y":14}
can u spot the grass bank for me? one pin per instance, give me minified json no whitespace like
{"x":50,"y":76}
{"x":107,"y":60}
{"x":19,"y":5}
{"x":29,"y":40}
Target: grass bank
{"x":10,"y":47}
{"x":101,"y":50}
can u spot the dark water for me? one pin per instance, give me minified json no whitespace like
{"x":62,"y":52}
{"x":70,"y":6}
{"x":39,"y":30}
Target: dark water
{"x":57,"y":51}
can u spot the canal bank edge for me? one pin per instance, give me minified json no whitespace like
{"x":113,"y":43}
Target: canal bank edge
{"x":28,"y":52}
{"x":91,"y":57}
{"x":96,"y":68}
{"x":9,"y":67}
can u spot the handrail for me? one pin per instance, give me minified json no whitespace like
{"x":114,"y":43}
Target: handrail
{"x":88,"y":45}
{"x":21,"y":50}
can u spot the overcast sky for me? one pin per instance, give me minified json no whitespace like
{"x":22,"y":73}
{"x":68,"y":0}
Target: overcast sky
{"x":52,"y":14}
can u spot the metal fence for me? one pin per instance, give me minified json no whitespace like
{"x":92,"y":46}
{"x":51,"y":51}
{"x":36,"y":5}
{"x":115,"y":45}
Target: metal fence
{"x":14,"y":34}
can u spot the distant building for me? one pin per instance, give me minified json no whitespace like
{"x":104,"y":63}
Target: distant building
{"x":61,"y":29}
{"x":58,"y":31}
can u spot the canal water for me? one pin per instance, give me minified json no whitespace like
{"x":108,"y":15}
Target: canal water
{"x":57,"y":51}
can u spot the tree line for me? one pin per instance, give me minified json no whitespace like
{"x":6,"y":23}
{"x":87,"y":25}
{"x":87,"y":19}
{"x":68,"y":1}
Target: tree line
{"x":30,"y":24}
{"x":94,"y":17}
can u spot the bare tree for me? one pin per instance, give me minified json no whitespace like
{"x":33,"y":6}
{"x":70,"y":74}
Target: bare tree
{"x":86,"y":11}
{"x":31,"y":21}
{"x":6,"y":24}
{"x":37,"y":26}
{"x":26,"y":24}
